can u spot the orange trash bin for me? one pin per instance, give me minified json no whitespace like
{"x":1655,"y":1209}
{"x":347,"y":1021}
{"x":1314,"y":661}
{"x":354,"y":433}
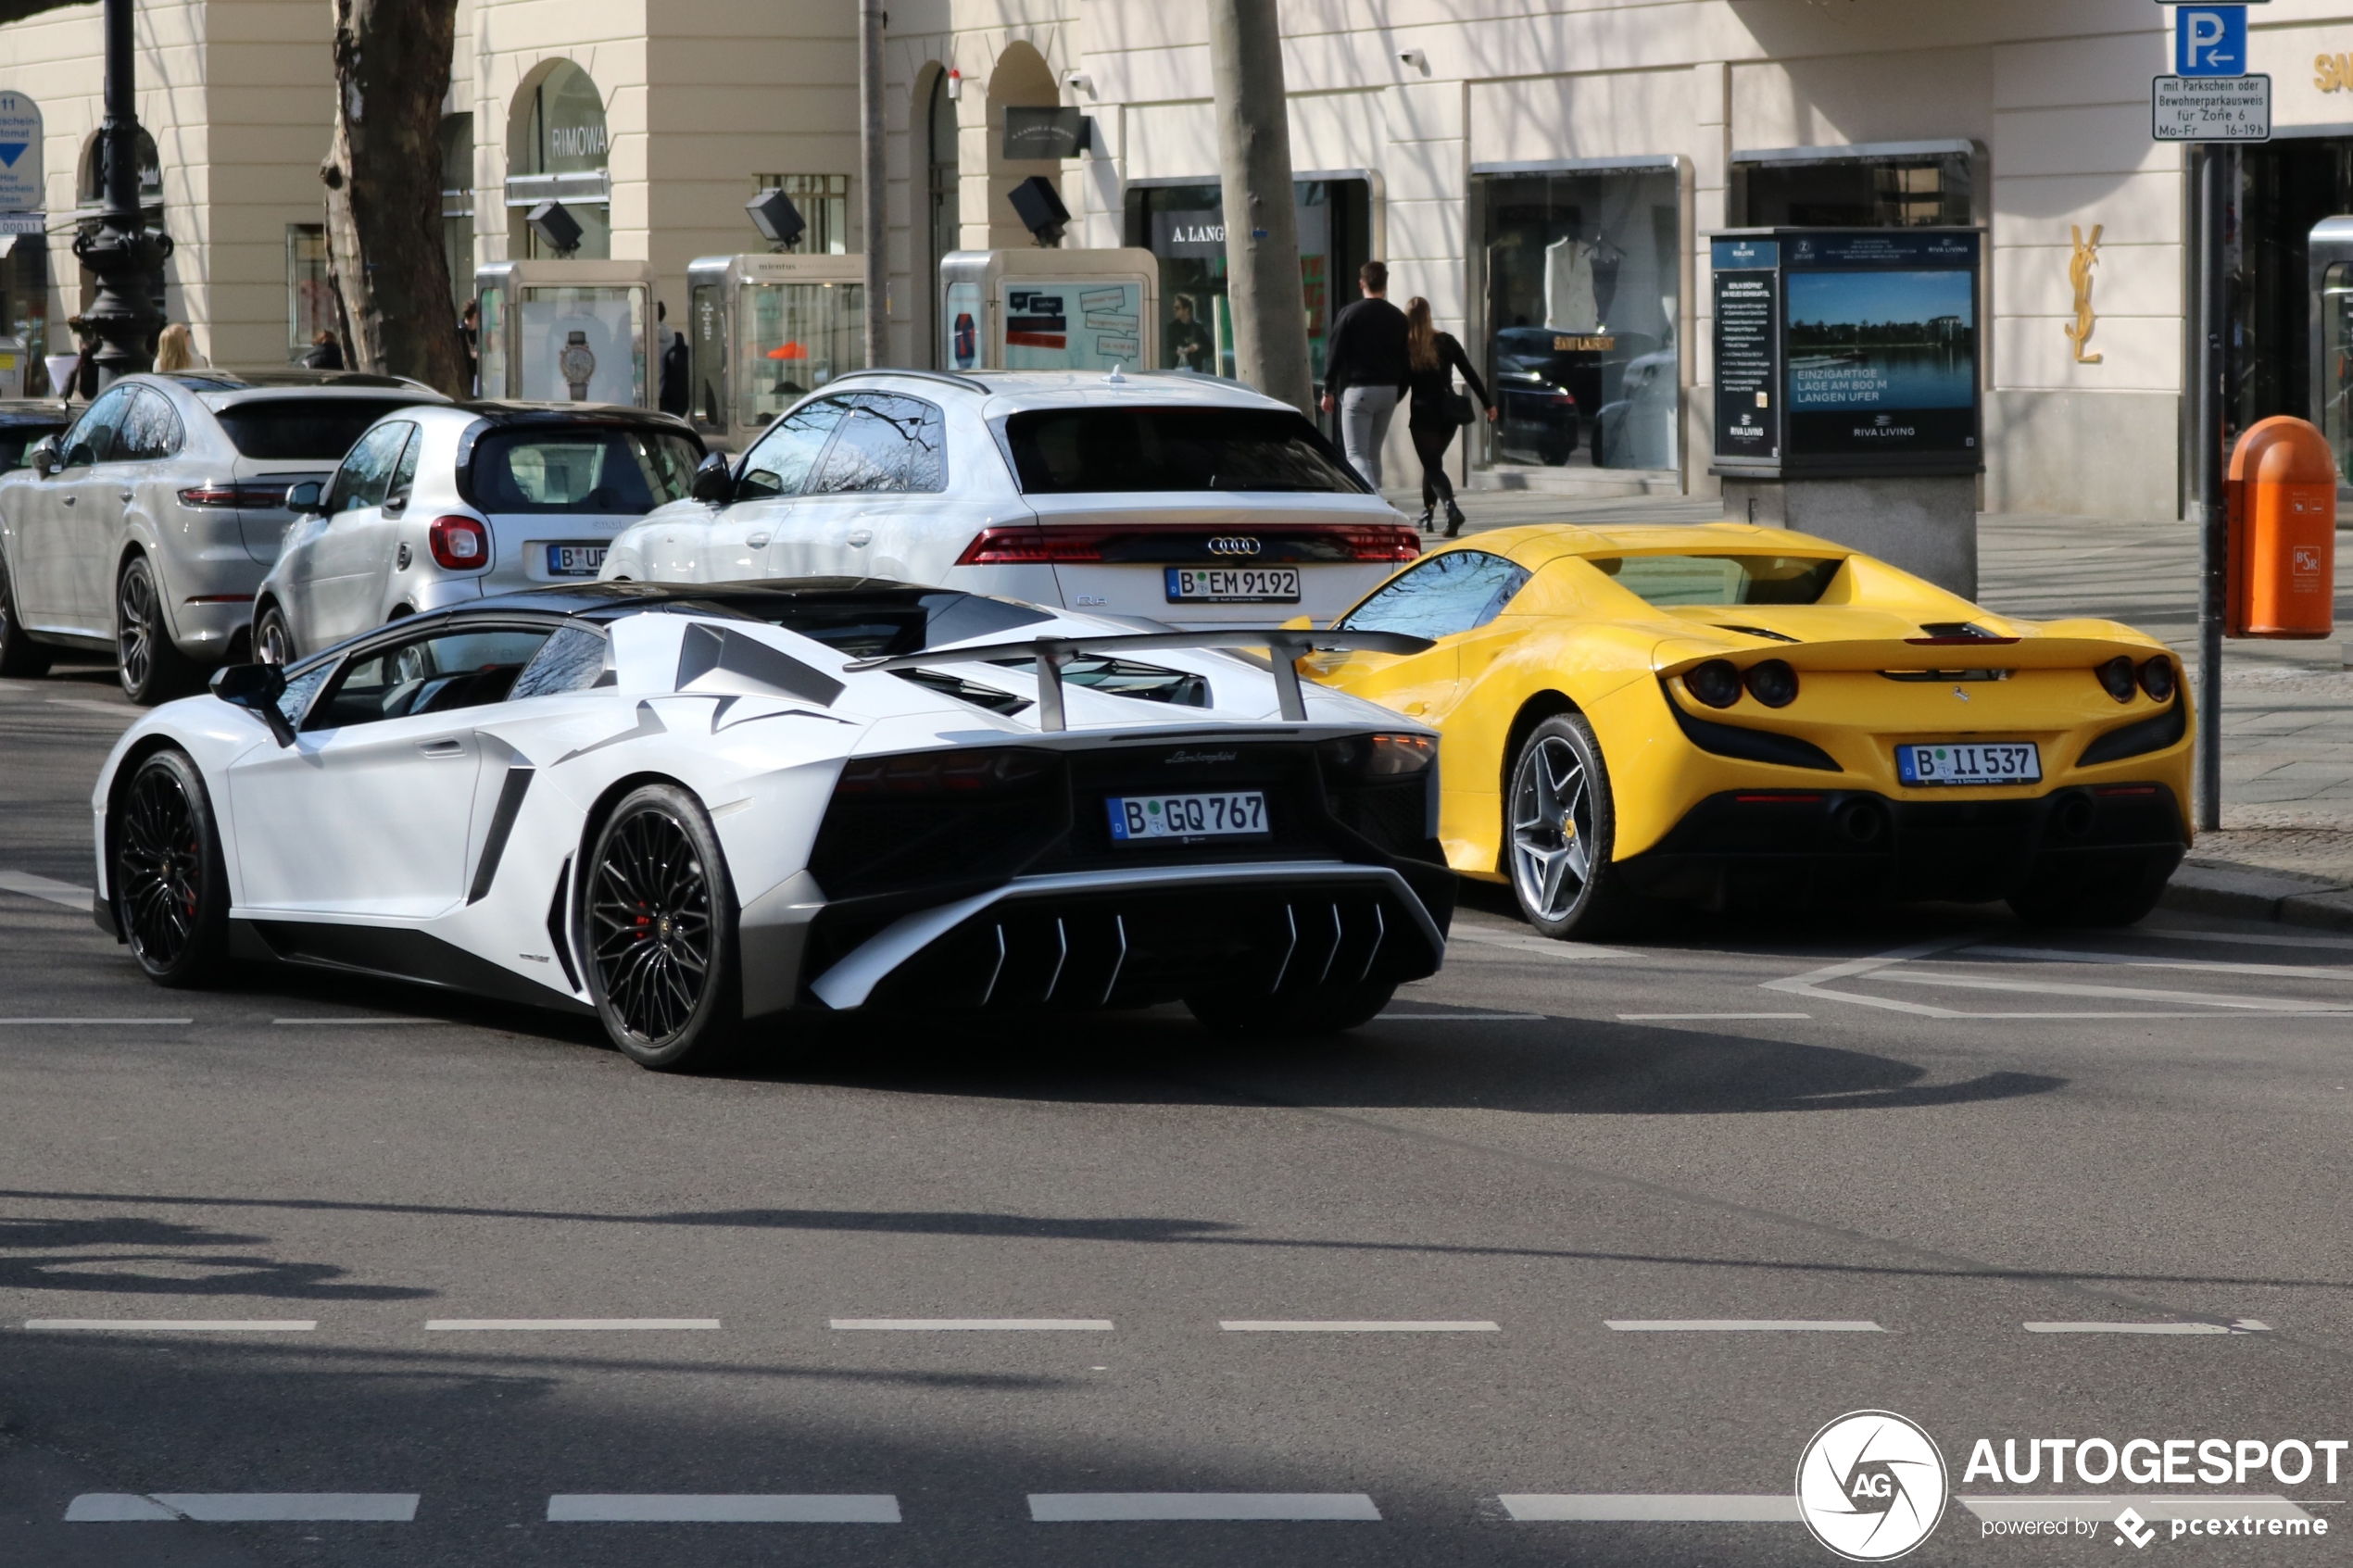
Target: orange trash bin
{"x":2282,"y":533}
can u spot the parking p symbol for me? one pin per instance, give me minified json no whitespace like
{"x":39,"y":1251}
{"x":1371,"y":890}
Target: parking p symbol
{"x":2209,"y":41}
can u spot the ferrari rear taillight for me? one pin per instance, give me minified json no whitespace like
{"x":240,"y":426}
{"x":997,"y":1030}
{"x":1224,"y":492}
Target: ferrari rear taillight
{"x":2157,"y":679}
{"x":1773,"y":683}
{"x":1716,"y":683}
{"x":459,"y":543}
{"x":2119,"y":678}
{"x":219,"y":494}
{"x":1028,"y":545}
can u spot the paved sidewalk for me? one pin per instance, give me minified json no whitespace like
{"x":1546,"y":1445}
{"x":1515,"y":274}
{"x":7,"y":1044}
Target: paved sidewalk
{"x":2285,"y":851}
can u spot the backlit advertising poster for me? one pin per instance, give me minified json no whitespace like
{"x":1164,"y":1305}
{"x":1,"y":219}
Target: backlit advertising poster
{"x":1881,"y":343}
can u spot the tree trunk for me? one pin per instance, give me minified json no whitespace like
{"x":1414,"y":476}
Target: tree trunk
{"x":1261,"y":224}
{"x":383,"y":175}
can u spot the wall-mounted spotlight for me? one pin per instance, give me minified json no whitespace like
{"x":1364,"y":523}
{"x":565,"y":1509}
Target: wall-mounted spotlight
{"x":777,"y":220}
{"x":1040,"y":208}
{"x":556,"y":226}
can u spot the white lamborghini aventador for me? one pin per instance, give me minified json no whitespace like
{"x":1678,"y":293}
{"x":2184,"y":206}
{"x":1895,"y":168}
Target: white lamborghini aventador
{"x":695,"y":810}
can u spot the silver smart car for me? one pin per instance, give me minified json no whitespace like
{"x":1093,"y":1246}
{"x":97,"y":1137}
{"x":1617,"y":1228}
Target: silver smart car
{"x":145,"y":529}
{"x":438,"y":505}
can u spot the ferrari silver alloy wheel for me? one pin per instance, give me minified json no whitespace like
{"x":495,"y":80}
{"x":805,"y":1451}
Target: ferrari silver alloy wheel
{"x":137,"y":623}
{"x":160,"y":858}
{"x":649,"y":909}
{"x":1551,"y":828}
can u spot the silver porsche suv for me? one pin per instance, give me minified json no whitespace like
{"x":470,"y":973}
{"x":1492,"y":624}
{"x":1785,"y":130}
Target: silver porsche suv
{"x":144,"y":530}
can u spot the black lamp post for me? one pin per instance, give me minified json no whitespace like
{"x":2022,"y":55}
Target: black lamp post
{"x":120,"y":253}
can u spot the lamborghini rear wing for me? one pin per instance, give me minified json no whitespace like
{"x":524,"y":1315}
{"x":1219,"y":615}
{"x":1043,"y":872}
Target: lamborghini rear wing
{"x":1283,"y":645}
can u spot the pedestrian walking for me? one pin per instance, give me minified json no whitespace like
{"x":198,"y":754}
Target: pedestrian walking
{"x":470,"y":325}
{"x":1364,"y":371}
{"x":1432,"y":358}
{"x":176,"y":349}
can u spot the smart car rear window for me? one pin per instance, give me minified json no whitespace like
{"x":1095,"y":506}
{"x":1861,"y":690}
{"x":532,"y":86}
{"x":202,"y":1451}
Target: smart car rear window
{"x":316,"y":430}
{"x":1722,"y":580}
{"x":582,"y":469}
{"x":1071,"y":451}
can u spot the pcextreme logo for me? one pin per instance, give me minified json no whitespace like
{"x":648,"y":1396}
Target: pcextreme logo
{"x":1871,"y":1485}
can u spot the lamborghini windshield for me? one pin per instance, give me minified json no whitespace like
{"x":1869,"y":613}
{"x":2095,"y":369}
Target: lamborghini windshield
{"x":1723,"y":580}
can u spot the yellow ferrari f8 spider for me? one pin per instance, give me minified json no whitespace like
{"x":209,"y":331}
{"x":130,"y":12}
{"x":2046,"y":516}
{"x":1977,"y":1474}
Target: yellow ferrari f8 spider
{"x":1730,"y":716}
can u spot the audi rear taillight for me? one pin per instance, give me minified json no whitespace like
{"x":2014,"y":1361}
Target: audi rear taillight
{"x":459,"y":543}
{"x":213,"y":494}
{"x":1293,"y":543}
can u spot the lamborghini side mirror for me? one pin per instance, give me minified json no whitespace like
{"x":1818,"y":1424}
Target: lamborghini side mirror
{"x":256,"y":688}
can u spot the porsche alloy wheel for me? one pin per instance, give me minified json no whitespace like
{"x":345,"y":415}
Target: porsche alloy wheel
{"x":1559,"y":827}
{"x":272,"y":640}
{"x":661,"y":928}
{"x":151,"y":668}
{"x":171,"y":897}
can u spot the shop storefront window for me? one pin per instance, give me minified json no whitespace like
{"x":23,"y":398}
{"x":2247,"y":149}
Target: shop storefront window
{"x":1582,"y":296}
{"x":558,"y":152}
{"x":458,"y":204}
{"x":310,"y":304}
{"x":1185,"y":227}
{"x":1848,"y":192}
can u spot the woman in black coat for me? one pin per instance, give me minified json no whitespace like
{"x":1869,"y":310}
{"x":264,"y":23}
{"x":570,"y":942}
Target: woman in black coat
{"x":1431,"y":359}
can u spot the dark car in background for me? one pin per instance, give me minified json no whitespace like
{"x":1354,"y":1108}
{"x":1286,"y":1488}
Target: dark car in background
{"x":23,"y":421}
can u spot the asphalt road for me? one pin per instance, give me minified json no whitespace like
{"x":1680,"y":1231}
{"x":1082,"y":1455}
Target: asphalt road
{"x":1931,"y":1129}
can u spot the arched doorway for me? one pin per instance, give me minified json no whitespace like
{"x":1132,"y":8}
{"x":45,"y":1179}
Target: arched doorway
{"x":557,"y":146}
{"x":1020,"y":79}
{"x":942,"y":205}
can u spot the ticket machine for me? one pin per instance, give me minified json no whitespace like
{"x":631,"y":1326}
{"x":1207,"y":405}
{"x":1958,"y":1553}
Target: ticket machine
{"x":1037,"y":310}
{"x":578,"y":332}
{"x":762,"y":331}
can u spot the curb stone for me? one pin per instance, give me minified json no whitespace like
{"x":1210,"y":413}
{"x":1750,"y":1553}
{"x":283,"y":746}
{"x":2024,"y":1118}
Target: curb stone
{"x":2248,"y":893}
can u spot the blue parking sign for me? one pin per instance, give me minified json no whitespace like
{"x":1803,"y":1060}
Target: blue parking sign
{"x":2209,"y":41}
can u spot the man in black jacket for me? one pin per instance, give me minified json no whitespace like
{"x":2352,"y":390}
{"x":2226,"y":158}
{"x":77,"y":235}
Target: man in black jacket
{"x":1364,"y":371}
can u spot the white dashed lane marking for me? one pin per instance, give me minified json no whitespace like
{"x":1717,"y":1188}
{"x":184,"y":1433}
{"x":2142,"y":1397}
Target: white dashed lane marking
{"x":958,"y":1325}
{"x":33,"y":886}
{"x":1077,"y":1507}
{"x":562,"y":1325}
{"x":302,"y":1021}
{"x":1745,"y":1325}
{"x":259,"y":1508}
{"x":2244,"y":1325}
{"x":68,"y":1023}
{"x":178,"y":1325}
{"x":723,"y":1508}
{"x":1695,"y":1017}
{"x":1461,"y":1018}
{"x":2103,"y":1511}
{"x":1642,"y":1507}
{"x":1355,"y":1325}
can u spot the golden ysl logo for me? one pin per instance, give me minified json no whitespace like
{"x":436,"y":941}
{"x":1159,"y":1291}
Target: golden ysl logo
{"x":2078,"y":273}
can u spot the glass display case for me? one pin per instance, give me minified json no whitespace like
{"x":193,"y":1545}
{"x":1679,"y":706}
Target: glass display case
{"x":567,"y":332}
{"x":1049,"y":309}
{"x":762,"y":331}
{"x":2330,"y":254}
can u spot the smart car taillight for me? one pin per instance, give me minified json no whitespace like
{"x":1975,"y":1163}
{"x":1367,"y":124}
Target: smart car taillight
{"x":1773,"y":683}
{"x":2119,"y":676}
{"x":2157,"y":679}
{"x":459,"y":543}
{"x":1716,"y":683}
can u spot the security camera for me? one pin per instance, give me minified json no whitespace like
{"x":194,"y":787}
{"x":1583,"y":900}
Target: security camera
{"x":1080,"y":82}
{"x":1414,"y":59}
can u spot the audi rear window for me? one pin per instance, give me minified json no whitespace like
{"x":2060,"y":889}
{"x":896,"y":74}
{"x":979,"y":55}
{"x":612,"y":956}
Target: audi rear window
{"x":1723,"y":580}
{"x":1080,"y":451}
{"x":319,"y":430}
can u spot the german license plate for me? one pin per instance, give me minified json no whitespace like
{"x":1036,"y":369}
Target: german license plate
{"x":575,"y":560}
{"x":1977,"y":762}
{"x":1137,"y":817}
{"x":1233,"y":584}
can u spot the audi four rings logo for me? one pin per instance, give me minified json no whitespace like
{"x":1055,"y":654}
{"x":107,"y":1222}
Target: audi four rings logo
{"x":1233,"y":545}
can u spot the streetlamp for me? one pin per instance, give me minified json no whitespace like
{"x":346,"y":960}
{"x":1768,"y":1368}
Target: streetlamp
{"x":120,"y":253}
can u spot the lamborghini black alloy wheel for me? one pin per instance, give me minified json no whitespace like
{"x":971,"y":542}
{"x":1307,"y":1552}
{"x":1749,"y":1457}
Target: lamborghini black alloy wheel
{"x":161,"y":858}
{"x":651,"y":925}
